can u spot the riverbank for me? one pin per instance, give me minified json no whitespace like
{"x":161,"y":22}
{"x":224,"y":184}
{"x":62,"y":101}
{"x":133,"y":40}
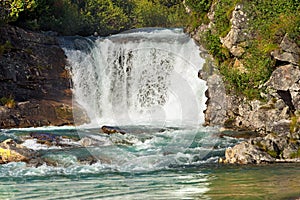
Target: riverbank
{"x":274,"y":110}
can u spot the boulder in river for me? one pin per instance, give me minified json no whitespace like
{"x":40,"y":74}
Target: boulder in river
{"x":268,"y":149}
{"x":10,"y":151}
{"x":112,"y":130}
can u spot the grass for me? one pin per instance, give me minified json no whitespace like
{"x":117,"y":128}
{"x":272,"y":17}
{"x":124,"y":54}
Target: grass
{"x":296,"y":154}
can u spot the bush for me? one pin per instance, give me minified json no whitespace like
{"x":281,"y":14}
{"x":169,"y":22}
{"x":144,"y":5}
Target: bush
{"x":199,"y":5}
{"x":8,"y":102}
{"x":70,"y":17}
{"x":10,"y":9}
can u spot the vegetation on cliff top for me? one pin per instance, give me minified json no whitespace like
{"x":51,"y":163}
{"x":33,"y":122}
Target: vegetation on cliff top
{"x":70,"y":17}
{"x":268,"y":22}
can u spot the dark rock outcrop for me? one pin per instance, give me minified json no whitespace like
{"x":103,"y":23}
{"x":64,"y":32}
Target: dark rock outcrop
{"x":112,"y":130}
{"x":33,"y":77}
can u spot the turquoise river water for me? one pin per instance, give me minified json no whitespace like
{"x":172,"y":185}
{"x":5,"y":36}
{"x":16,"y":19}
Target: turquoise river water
{"x":145,"y":164}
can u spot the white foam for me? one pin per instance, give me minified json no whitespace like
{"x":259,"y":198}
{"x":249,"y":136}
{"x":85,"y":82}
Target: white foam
{"x":141,"y":78}
{"x":45,"y":128}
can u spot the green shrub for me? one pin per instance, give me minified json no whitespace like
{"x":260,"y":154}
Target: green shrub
{"x":70,"y":17}
{"x":8,"y":102}
{"x":213,"y":44}
{"x":7,"y":46}
{"x":199,"y":5}
{"x":10,"y":9}
{"x":223,"y":12}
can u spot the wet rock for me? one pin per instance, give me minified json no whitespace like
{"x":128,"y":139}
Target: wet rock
{"x":46,"y":138}
{"x":60,"y":160}
{"x":217,"y":104}
{"x":10,"y":151}
{"x":33,"y":73}
{"x":112,"y":130}
{"x":271,"y":148}
{"x":90,"y":141}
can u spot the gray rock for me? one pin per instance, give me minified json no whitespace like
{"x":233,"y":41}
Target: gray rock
{"x":246,"y":153}
{"x":286,"y":57}
{"x":289,"y":46}
{"x":284,"y":77}
{"x":289,"y":52}
{"x":215,"y":114}
{"x":238,"y":33}
{"x":271,"y":148}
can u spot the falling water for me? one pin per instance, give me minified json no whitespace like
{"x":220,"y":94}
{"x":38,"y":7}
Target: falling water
{"x":146,"y":76}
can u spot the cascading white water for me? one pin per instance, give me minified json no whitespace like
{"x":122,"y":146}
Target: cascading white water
{"x":146,"y":76}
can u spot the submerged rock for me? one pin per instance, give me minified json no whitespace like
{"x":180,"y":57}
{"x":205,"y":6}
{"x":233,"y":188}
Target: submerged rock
{"x":46,"y":138}
{"x":112,"y":130}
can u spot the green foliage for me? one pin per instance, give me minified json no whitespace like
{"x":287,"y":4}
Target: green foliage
{"x":223,"y":11}
{"x":104,"y":17}
{"x":295,"y":125}
{"x":295,"y":154}
{"x":70,"y":17}
{"x":268,"y":22}
{"x":213,"y":44}
{"x":8,"y":102}
{"x":199,"y":5}
{"x":7,"y":46}
{"x":150,"y":14}
{"x":10,"y":9}
{"x":272,"y":153}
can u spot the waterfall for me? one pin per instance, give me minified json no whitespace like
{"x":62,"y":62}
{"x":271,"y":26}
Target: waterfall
{"x":144,"y":77}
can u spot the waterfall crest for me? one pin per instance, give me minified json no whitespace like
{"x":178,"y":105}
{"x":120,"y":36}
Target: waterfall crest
{"x":146,"y":76}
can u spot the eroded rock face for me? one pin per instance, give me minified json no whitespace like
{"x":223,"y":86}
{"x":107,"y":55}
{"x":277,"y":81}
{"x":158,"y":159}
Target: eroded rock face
{"x":32,"y":66}
{"x":217,"y":103}
{"x":33,"y":74}
{"x":35,"y":113}
{"x":273,"y":115}
{"x":285,"y":83}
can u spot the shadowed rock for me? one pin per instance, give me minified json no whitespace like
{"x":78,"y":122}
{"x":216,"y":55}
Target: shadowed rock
{"x":112,"y":130}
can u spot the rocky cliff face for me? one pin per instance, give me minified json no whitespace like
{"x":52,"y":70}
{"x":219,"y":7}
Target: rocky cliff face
{"x":34,"y":84}
{"x":276,"y":115}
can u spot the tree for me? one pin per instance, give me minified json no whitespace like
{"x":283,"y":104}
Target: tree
{"x":105,"y":17}
{"x":10,"y":9}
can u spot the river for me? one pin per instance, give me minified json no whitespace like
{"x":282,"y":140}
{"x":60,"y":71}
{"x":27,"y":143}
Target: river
{"x":145,"y":82}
